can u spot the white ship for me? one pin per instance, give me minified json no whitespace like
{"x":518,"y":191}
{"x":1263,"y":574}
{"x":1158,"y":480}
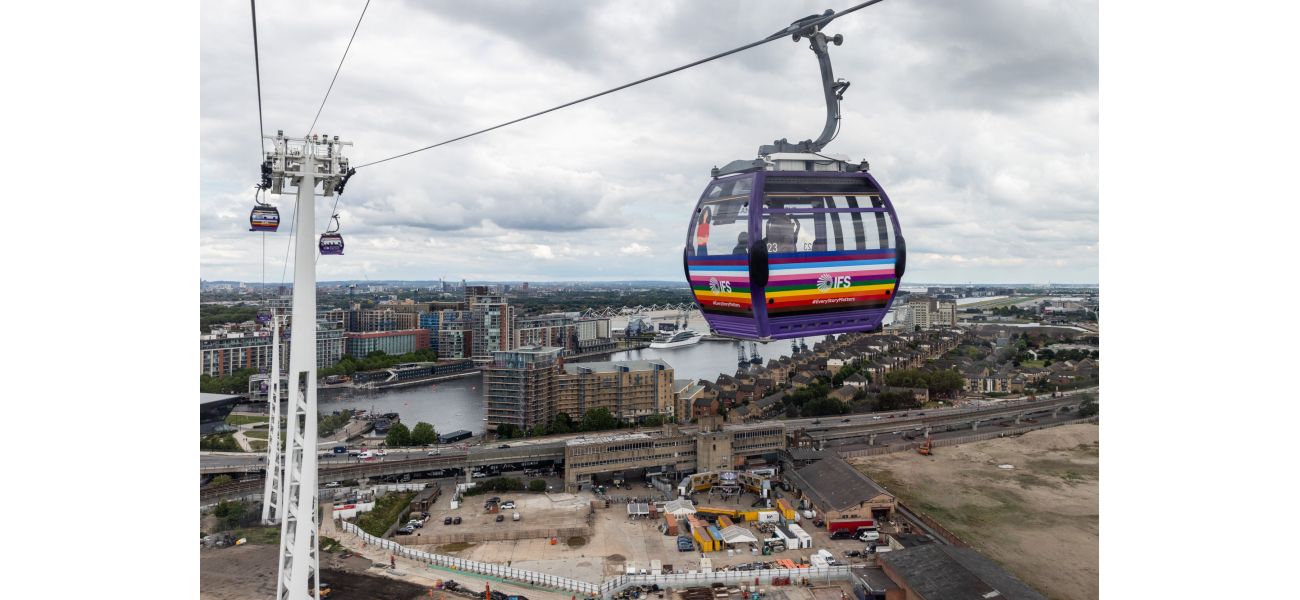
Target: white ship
{"x":674,"y":339}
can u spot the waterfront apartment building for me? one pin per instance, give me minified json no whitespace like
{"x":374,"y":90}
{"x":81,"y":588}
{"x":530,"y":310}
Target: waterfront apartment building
{"x":630,"y":389}
{"x":455,"y":334}
{"x":490,"y":318}
{"x":519,"y":386}
{"x":564,"y":329}
{"x":380,"y":319}
{"x":223,"y":352}
{"x":390,"y":342}
{"x":529,"y":386}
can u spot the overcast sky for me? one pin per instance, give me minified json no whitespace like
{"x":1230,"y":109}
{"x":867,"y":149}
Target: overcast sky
{"x":978,"y":118}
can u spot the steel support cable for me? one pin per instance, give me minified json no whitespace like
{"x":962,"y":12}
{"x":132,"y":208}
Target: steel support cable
{"x":802,"y":25}
{"x":256,"y":64}
{"x":340,"y":68}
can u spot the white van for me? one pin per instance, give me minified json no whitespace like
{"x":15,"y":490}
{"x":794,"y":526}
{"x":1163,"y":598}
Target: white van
{"x":365,"y":455}
{"x":869,"y":535}
{"x":515,"y":516}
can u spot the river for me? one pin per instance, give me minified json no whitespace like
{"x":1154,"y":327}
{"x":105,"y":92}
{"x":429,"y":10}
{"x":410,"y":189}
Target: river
{"x":458,"y":404}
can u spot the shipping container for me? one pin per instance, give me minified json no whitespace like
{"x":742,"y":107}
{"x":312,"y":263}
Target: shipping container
{"x":670,"y":524}
{"x":786,"y":510}
{"x":849,"y":524}
{"x":805,"y":540}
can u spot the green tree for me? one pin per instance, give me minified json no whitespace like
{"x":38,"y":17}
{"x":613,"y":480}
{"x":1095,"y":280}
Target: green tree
{"x":598,"y":419}
{"x":1089,"y":407}
{"x":230,"y":513}
{"x":509,"y":431}
{"x":653,"y":420}
{"x":423,"y":433}
{"x":562,"y":423}
{"x":537,"y":485}
{"x":946,"y":382}
{"x":399,"y":435}
{"x":221,"y":480}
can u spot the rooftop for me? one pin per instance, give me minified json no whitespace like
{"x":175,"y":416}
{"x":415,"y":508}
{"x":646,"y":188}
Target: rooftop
{"x":833,"y":484}
{"x":603,"y":439}
{"x":939,"y":572}
{"x":615,"y":366}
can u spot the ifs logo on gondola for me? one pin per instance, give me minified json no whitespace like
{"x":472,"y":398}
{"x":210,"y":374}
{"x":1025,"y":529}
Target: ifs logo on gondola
{"x":826,"y":282}
{"x":719,"y":287}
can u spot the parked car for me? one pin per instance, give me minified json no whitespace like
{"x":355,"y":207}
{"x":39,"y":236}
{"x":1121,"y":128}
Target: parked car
{"x":456,"y":520}
{"x":332,"y":484}
{"x":408,"y":530}
{"x":516,"y":517}
{"x":508,"y":504}
{"x":852,"y":554}
{"x":446,"y":520}
{"x":500,"y":518}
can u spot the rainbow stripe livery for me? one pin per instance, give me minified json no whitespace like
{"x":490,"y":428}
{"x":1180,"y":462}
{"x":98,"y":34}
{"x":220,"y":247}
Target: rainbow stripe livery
{"x":721,"y":284}
{"x":813,"y":282}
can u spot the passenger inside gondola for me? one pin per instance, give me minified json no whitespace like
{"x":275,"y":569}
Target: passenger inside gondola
{"x":782,"y":233}
{"x":742,"y":243}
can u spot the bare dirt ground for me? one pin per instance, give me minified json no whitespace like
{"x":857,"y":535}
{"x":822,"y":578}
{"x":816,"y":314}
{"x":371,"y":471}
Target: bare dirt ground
{"x":1039,"y":519}
{"x":248,"y":572}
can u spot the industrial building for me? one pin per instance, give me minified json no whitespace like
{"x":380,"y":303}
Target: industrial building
{"x":836,"y":490}
{"x":941,"y":572}
{"x":670,"y":451}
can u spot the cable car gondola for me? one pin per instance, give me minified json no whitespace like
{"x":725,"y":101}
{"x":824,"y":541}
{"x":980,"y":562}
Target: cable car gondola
{"x":796,"y":243}
{"x":331,"y":242}
{"x":264,"y":217}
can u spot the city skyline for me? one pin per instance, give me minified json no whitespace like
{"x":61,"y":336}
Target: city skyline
{"x":981,"y":123}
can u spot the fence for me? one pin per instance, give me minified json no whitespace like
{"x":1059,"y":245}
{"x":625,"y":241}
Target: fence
{"x":607,"y":588}
{"x":532,"y":578}
{"x":966,"y":439}
{"x":489,"y":535}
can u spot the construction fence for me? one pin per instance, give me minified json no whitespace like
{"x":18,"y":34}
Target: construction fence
{"x":608,"y":588}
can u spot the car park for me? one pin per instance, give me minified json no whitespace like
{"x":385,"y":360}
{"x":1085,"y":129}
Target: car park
{"x":408,"y":530}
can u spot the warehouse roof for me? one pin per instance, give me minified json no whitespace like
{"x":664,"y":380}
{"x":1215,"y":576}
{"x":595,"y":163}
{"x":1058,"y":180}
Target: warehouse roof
{"x":833,"y":484}
{"x":939,"y":572}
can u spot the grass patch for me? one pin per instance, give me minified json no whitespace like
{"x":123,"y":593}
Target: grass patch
{"x":387,"y":508}
{"x":262,"y":536}
{"x":237,"y":420}
{"x":257,"y":435}
{"x":329,"y":544}
{"x":222,"y":442}
{"x":454,"y":547}
{"x":576,"y":541}
{"x":257,"y":445}
{"x":1029,"y":480}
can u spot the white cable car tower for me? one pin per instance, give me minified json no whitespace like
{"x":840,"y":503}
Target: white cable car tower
{"x":273,"y":493}
{"x":304,"y":163}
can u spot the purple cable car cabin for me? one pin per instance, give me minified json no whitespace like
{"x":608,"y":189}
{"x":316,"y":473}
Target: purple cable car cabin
{"x":826,"y":257}
{"x":331,"y":244}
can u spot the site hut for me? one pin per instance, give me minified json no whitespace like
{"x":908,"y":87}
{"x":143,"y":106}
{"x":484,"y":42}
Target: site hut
{"x":836,"y":490}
